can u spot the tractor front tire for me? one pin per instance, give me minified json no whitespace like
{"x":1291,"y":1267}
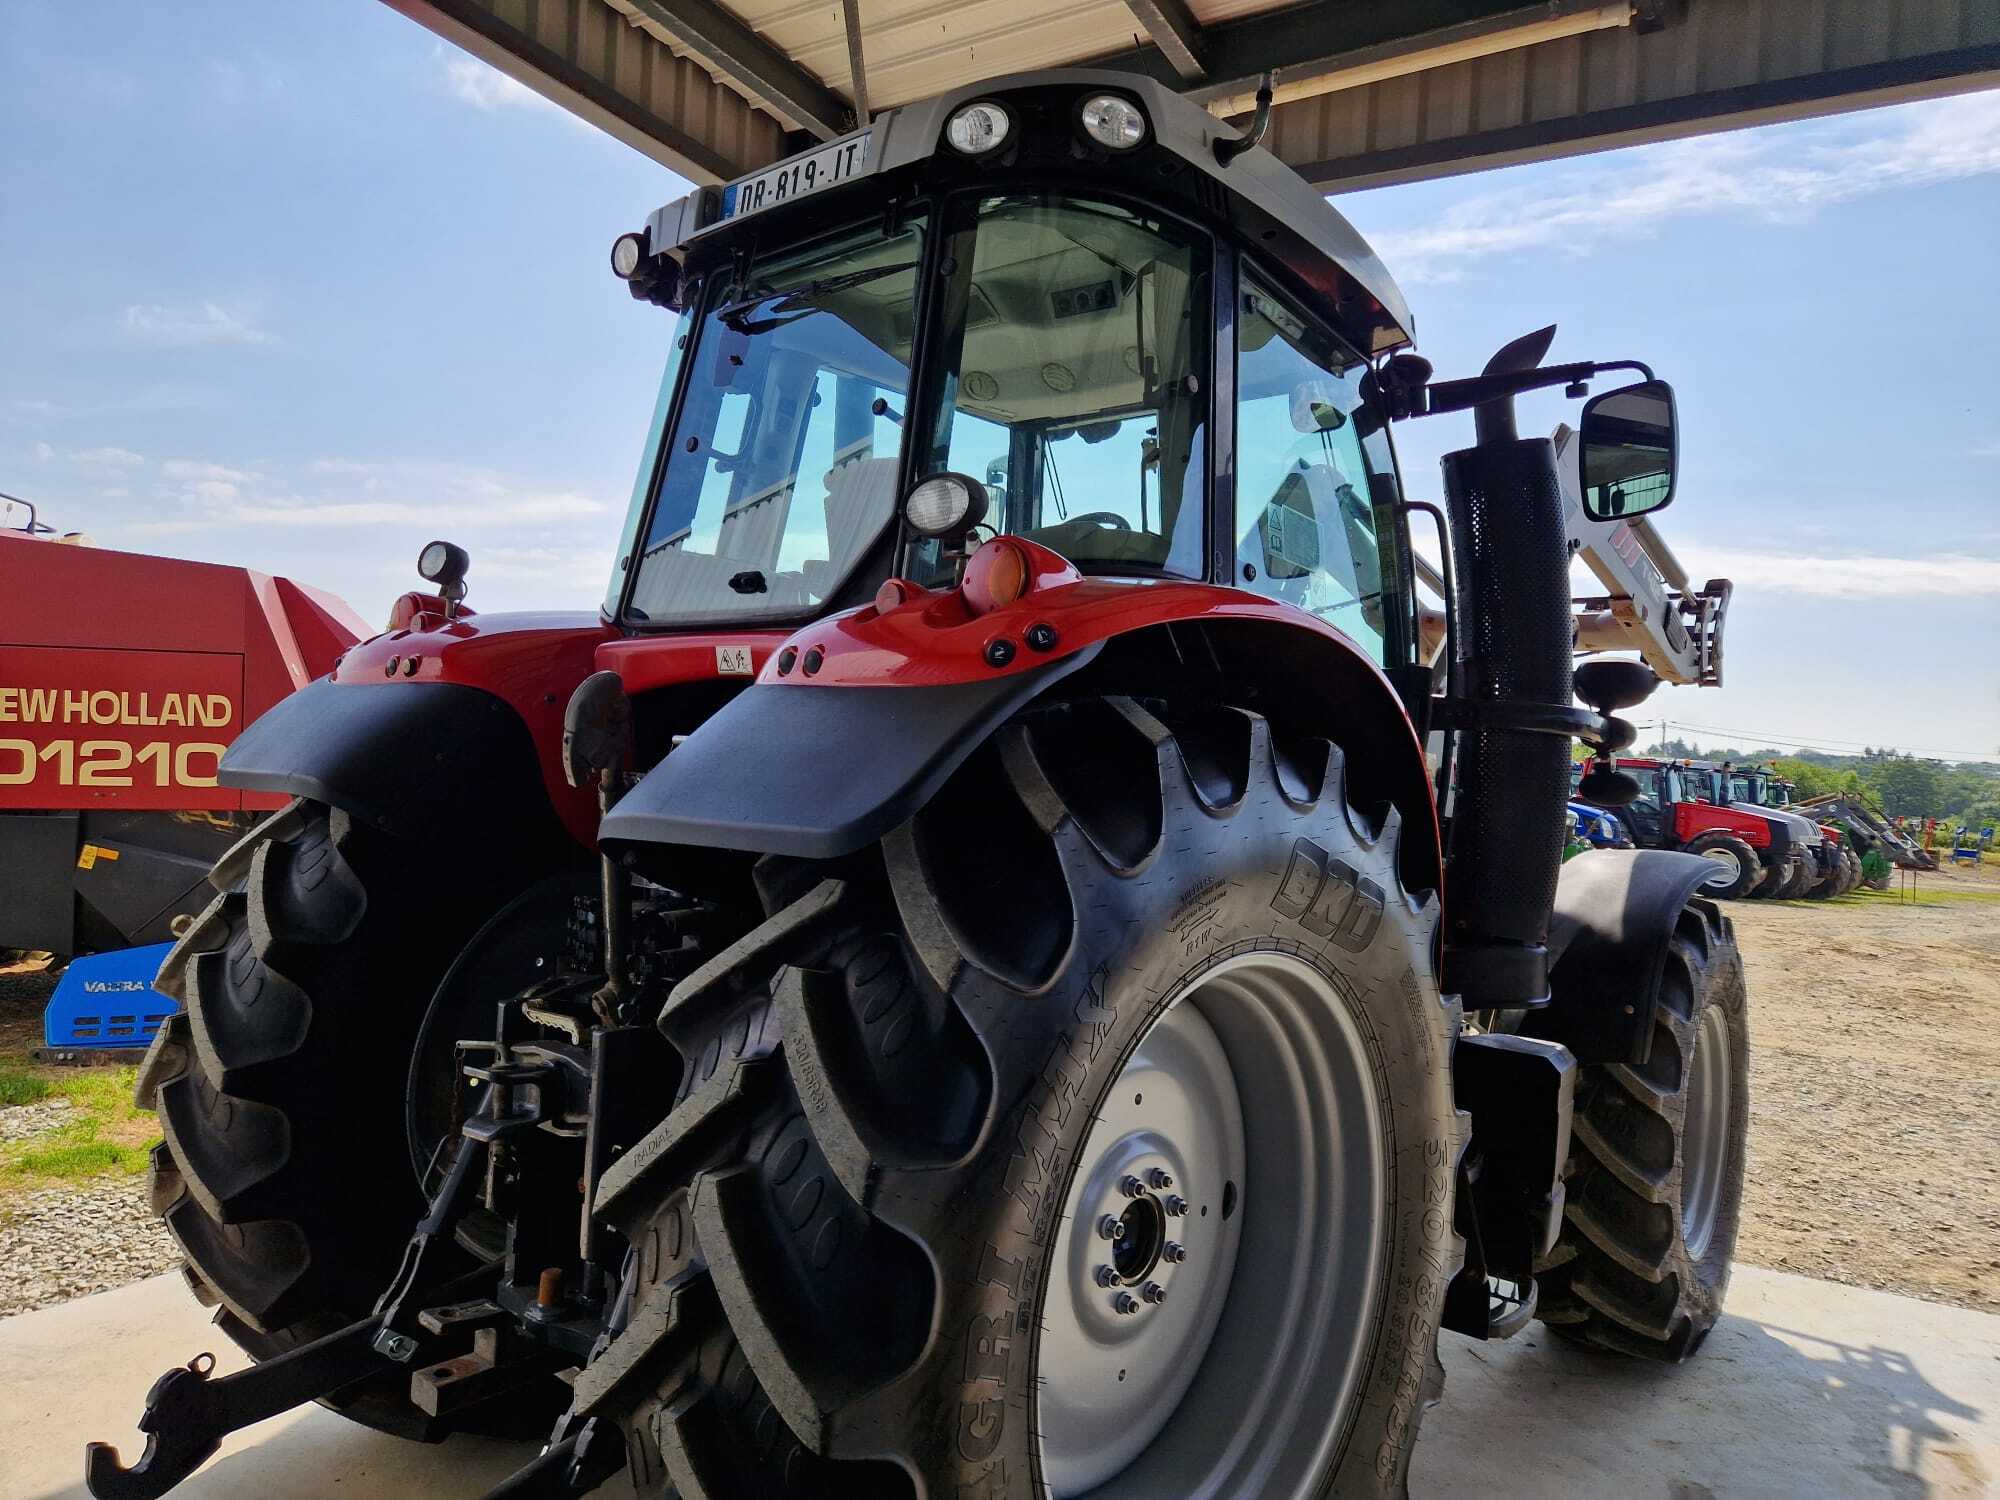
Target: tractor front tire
{"x":1655,"y":1176}
{"x":1738,"y":870}
{"x":285,"y":1173}
{"x":1024,"y":1153}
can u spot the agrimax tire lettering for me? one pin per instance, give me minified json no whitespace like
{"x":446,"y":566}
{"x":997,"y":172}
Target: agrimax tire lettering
{"x":1329,"y":897}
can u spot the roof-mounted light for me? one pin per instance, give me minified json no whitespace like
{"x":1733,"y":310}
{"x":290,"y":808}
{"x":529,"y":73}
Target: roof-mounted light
{"x":978,"y":128}
{"x":628,"y":253}
{"x":1114,"y":121}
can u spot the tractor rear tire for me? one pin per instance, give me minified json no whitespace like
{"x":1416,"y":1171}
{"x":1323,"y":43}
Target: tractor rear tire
{"x":1738,"y":867}
{"x":1783,"y":881}
{"x":1830,"y":884}
{"x":1655,"y":1175}
{"x":868,"y":1234}
{"x":285,"y":1172}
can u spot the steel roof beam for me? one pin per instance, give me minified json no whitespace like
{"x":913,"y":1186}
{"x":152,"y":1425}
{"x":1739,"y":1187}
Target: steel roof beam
{"x":1330,"y":33}
{"x":744,"y":60}
{"x":1176,"y":33}
{"x":592,"y":61}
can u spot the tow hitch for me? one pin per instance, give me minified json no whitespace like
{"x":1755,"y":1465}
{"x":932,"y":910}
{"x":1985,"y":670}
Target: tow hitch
{"x":188,"y":1414}
{"x":422,"y":1323}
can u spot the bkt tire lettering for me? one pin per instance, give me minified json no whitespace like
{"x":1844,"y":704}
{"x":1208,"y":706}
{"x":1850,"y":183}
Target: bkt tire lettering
{"x":1329,"y":897}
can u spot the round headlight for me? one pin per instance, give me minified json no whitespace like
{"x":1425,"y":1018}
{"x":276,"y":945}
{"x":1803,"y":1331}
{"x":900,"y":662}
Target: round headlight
{"x":444,"y":563}
{"x":626,"y":253}
{"x":978,"y":128}
{"x":945,"y":504}
{"x":1113,"y":120}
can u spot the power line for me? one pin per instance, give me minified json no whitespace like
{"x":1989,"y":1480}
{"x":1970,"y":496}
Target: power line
{"x":1747,"y":736}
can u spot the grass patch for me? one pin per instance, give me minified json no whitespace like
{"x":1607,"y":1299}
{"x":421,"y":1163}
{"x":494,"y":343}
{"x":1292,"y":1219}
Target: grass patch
{"x":103,"y":1135}
{"x":1934,"y":893}
{"x":73,"y":1161}
{"x":18,"y":1086}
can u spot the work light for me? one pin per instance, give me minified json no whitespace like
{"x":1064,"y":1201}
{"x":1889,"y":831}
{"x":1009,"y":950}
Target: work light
{"x":978,"y":128}
{"x":626,"y":253}
{"x":1113,"y":120}
{"x":944,"y":504}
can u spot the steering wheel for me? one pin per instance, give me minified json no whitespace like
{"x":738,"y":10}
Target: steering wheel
{"x":1106,"y":520}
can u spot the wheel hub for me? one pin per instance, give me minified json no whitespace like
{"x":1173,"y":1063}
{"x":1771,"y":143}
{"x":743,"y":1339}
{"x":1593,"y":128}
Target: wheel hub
{"x":1202,"y":1333}
{"x":1730,"y":870}
{"x":1145,"y":1263}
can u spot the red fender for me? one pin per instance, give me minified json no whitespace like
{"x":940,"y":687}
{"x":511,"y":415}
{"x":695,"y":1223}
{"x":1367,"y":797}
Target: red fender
{"x":913,"y":637}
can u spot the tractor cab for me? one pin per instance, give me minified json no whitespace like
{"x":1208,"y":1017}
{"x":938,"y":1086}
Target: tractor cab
{"x":1052,"y":308}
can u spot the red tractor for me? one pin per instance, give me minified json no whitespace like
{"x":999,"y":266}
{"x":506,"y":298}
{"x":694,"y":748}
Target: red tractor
{"x":114,"y":720}
{"x":1754,"y":853}
{"x":967,"y":986}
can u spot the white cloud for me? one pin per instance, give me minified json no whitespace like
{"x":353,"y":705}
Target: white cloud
{"x":188,"y":468}
{"x":1770,"y":175}
{"x":1857,"y":577}
{"x":343,"y":493}
{"x":190,"y":326}
{"x":109,"y":458}
{"x":473,"y":82}
{"x":95,"y":459}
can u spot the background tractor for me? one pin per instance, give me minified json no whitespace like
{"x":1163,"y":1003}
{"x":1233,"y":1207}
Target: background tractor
{"x":969,"y":986}
{"x":1835,"y":870}
{"x":1675,"y":806}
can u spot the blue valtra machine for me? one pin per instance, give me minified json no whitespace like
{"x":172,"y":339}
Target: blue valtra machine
{"x":107,"y":1001}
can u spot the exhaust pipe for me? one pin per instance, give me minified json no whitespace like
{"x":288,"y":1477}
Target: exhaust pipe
{"x":1504,"y":505}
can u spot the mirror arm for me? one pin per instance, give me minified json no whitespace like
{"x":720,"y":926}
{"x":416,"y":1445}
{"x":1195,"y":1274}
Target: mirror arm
{"x":1475,"y":390}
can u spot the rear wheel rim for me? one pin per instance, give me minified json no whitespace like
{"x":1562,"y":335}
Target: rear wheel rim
{"x":1731,"y":869}
{"x":1705,"y":1132}
{"x":1241,"y":1377}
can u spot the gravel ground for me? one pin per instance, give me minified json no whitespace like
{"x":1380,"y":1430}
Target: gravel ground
{"x":1875,"y":1088}
{"x":23,"y":1122}
{"x":58,"y":1243}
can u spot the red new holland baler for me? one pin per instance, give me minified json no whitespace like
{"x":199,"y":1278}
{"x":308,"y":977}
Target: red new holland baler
{"x":123,"y":678}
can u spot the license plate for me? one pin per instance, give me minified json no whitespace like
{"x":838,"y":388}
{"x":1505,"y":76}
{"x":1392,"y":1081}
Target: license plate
{"x":824,"y":168}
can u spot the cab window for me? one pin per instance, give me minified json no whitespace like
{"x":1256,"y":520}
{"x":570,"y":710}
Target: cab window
{"x":1308,"y":528}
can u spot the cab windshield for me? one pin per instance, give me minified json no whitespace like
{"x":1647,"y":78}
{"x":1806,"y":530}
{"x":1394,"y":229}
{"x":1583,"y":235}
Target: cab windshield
{"x":781,"y":470}
{"x":1072,"y":379}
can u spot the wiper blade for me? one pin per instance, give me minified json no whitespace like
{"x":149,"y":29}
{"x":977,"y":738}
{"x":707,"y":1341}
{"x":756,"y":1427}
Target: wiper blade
{"x":801,"y":298}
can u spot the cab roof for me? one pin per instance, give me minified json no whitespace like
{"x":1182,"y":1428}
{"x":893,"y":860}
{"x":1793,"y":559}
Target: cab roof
{"x":1264,"y":202}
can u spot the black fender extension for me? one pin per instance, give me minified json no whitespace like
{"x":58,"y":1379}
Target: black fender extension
{"x":1615,"y":912}
{"x":424,"y":761}
{"x":819,"y":772}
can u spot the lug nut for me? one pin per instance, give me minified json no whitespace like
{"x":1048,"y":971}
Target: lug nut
{"x":1160,"y":1178}
{"x":1173,"y":1252}
{"x":1107,"y":1277}
{"x":1176,"y":1206}
{"x":1125,"y":1304}
{"x":1154,"y":1292}
{"x":1110,"y":1228}
{"x":1131,"y":1187}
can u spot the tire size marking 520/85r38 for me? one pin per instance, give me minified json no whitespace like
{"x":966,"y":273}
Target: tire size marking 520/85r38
{"x":111,"y":763}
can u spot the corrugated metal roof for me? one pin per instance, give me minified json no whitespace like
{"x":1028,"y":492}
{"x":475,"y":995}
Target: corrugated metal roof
{"x":715,"y":88}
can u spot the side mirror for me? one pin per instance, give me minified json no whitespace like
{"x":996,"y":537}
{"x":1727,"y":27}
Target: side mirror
{"x":1628,"y":446}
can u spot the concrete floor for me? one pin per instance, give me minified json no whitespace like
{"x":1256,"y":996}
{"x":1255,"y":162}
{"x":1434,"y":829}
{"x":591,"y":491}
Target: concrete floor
{"x":1807,"y":1389}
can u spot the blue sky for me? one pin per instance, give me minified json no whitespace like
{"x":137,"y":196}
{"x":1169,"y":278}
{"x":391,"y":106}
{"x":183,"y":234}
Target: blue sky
{"x":300,"y":286}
